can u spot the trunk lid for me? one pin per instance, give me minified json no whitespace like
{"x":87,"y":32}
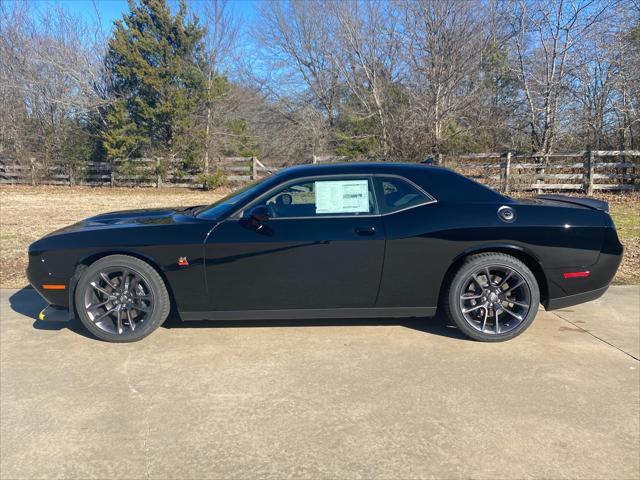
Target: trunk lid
{"x":591,"y":203}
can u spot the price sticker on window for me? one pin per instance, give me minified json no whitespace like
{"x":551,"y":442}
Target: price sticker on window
{"x":342,"y":196}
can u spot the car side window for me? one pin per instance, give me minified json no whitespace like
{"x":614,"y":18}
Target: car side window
{"x":398,"y":194}
{"x":322,"y":197}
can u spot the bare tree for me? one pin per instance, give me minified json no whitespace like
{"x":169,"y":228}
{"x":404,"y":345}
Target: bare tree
{"x":545,"y":40}
{"x":50,"y":64}
{"x":445,"y":44}
{"x":368,"y":59}
{"x":220,"y":41}
{"x":591,"y":82}
{"x":626,"y":51}
{"x":397,"y":78}
{"x":298,"y":39}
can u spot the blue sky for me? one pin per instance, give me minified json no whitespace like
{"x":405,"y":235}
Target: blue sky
{"x":110,"y":10}
{"x":245,"y":11}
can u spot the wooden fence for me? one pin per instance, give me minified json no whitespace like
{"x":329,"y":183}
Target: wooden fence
{"x":582,"y":172}
{"x":143,"y":172}
{"x":579,"y":172}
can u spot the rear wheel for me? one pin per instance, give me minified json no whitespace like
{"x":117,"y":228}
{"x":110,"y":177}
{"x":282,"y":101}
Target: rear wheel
{"x":492,"y":297}
{"x":121,"y":299}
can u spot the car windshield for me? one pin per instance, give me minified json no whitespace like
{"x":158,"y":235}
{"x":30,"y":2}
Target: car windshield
{"x":222,"y":206}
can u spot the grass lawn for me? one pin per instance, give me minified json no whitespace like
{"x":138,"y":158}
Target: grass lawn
{"x":625,"y":211}
{"x":27,"y":213}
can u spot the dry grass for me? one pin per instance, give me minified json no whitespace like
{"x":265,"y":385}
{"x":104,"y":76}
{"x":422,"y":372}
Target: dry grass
{"x":625,"y":210}
{"x":27,"y":213}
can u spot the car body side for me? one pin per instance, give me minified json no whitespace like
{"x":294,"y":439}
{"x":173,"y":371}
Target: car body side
{"x":420,"y":249}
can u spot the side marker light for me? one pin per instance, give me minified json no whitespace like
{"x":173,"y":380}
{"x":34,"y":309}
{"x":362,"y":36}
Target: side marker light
{"x":575,"y":274}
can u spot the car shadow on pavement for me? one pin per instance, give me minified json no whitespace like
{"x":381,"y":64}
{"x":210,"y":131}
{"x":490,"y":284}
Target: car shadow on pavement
{"x":438,"y":325}
{"x":27,"y":302}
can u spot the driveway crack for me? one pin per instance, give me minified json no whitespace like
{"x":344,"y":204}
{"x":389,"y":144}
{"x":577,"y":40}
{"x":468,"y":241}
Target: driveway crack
{"x":595,"y":336}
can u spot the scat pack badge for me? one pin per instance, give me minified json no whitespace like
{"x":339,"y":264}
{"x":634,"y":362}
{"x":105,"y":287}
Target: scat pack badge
{"x":183,"y":262}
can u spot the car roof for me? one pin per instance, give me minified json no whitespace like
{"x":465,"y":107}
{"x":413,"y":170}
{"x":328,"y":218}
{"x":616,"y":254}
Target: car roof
{"x":440,"y":182}
{"x":354,"y":167}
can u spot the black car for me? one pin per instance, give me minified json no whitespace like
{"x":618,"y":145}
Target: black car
{"x":333,"y":241}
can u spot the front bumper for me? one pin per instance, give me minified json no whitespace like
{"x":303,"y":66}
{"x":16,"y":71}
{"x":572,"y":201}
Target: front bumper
{"x":40,"y":273}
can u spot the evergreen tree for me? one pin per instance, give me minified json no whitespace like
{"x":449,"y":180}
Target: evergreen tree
{"x":155,"y":59}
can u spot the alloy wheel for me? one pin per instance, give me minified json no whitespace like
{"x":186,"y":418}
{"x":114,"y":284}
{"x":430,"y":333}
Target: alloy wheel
{"x":118,"y":300}
{"x":495,"y":299}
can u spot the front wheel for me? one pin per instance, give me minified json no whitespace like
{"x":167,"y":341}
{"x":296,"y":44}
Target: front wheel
{"x":492,"y":297}
{"x":121,"y":299}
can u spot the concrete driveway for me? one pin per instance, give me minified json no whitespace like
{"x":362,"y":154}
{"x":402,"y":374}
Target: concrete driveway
{"x":323,"y":399}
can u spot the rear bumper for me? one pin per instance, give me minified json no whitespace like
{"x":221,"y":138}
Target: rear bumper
{"x":565,"y":292}
{"x":570,"y":300}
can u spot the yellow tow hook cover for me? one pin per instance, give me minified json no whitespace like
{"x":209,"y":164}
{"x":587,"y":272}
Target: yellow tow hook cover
{"x":41,"y":316}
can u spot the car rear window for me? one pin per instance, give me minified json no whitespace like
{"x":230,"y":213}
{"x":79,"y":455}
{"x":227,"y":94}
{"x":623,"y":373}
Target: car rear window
{"x":398,"y":194}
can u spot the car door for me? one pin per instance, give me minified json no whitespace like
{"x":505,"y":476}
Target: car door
{"x":321,"y":248}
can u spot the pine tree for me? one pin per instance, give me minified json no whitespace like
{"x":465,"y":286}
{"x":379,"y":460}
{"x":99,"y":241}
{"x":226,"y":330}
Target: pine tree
{"x":155,"y":59}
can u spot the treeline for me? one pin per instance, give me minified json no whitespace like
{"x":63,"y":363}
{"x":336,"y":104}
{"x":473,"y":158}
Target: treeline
{"x":387,"y":80}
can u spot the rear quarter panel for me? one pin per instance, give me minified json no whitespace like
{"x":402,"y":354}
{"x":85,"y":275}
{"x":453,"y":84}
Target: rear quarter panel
{"x":423,"y":243}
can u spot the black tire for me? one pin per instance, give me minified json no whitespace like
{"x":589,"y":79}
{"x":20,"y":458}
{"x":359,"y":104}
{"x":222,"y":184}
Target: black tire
{"x":459,"y":290}
{"x":151,"y":286}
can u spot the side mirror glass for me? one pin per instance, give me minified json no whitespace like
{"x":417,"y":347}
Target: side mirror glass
{"x":260,"y":214}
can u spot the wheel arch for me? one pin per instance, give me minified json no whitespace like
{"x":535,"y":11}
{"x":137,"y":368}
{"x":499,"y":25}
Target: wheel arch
{"x":84,"y":262}
{"x":528,"y":258}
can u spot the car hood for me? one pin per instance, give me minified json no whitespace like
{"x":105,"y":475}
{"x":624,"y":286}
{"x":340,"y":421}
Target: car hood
{"x":130,"y":218}
{"x":142,"y":216}
{"x":120,"y":224}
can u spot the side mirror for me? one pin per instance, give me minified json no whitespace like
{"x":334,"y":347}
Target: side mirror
{"x":259,"y":214}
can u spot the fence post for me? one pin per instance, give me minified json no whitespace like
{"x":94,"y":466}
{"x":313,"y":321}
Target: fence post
{"x":112,"y":180}
{"x":505,"y":172}
{"x":254,"y":168}
{"x":32,"y":161}
{"x":438,"y":159}
{"x":540,"y":173}
{"x":588,"y":172}
{"x":158,"y":175}
{"x":71,"y":175}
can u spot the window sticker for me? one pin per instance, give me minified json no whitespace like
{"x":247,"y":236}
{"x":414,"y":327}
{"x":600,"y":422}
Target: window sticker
{"x":342,"y":196}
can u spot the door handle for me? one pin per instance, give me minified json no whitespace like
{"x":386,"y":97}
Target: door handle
{"x":365,"y":231}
